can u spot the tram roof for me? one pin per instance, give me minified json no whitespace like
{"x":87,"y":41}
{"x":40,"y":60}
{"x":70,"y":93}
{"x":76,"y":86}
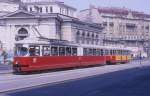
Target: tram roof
{"x":31,"y":41}
{"x":41,"y":41}
{"x":56,"y":42}
{"x":105,"y":47}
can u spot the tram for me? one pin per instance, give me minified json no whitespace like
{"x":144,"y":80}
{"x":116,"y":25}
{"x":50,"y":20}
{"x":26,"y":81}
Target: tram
{"x":37,"y":55}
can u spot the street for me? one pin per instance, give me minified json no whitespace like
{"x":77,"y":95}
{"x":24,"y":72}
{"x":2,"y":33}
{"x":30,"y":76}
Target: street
{"x":62,"y":48}
{"x":128,"y":82}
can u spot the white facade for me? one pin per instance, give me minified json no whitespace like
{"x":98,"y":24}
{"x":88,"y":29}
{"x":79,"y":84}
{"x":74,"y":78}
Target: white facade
{"x":21,"y":24}
{"x":49,"y":19}
{"x":8,"y":7}
{"x":49,"y":6}
{"x":122,"y":25}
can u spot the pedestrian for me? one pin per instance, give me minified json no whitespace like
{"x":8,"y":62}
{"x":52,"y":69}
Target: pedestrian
{"x":4,"y":54}
{"x":1,"y":57}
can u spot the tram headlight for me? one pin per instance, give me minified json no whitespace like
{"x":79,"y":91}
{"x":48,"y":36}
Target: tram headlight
{"x":16,"y":62}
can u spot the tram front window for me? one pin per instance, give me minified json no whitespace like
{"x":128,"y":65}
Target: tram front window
{"x":22,"y":51}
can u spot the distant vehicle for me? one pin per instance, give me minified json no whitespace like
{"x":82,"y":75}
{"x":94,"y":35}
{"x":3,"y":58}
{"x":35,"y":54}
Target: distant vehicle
{"x":36,"y":55}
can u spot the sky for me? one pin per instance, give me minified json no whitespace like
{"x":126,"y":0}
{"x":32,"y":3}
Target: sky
{"x":136,"y":5}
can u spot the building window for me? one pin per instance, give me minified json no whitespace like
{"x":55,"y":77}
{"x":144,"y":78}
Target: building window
{"x":93,"y":36}
{"x":131,"y":27}
{"x":88,"y":35}
{"x":22,"y":34}
{"x":78,"y":37}
{"x":46,"y":9}
{"x":40,"y":9}
{"x":111,"y":24}
{"x":96,"y":36}
{"x":97,"y":41}
{"x":51,"y":9}
{"x":67,"y":11}
{"x":83,"y":34}
{"x":104,"y":23}
{"x":60,"y":10}
{"x":31,"y":9}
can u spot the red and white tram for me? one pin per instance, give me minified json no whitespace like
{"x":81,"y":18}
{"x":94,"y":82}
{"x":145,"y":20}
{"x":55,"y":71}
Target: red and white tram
{"x":44,"y":55}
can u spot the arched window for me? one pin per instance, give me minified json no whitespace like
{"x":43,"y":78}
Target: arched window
{"x":83,"y":34}
{"x":78,"y":33}
{"x":22,"y":34}
{"x":96,"y":36}
{"x":88,"y":35}
{"x":93,"y":35}
{"x":78,"y":36}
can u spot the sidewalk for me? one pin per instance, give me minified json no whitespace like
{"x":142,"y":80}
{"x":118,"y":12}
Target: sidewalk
{"x":4,"y":69}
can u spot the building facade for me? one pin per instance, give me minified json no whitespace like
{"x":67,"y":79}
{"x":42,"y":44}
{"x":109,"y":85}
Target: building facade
{"x":21,"y":24}
{"x":121,"y":25}
{"x":9,"y":6}
{"x":49,"y":6}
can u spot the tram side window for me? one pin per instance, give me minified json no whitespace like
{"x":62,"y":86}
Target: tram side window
{"x":117,"y":52}
{"x":90,"y":53}
{"x":111,"y":52}
{"x":106,"y":52}
{"x":85,"y":51}
{"x":98,"y":52}
{"x":102,"y":52}
{"x":126,"y":52}
{"x":68,"y":51}
{"x":114,"y":52}
{"x":94,"y":52}
{"x":46,"y":51}
{"x":123,"y":52}
{"x":74,"y":51}
{"x":120,"y":52}
{"x":34,"y":51}
{"x":54,"y":51}
{"x":61,"y":51}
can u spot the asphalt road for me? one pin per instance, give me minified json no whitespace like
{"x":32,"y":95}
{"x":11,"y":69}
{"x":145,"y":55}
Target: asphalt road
{"x":130,"y":82}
